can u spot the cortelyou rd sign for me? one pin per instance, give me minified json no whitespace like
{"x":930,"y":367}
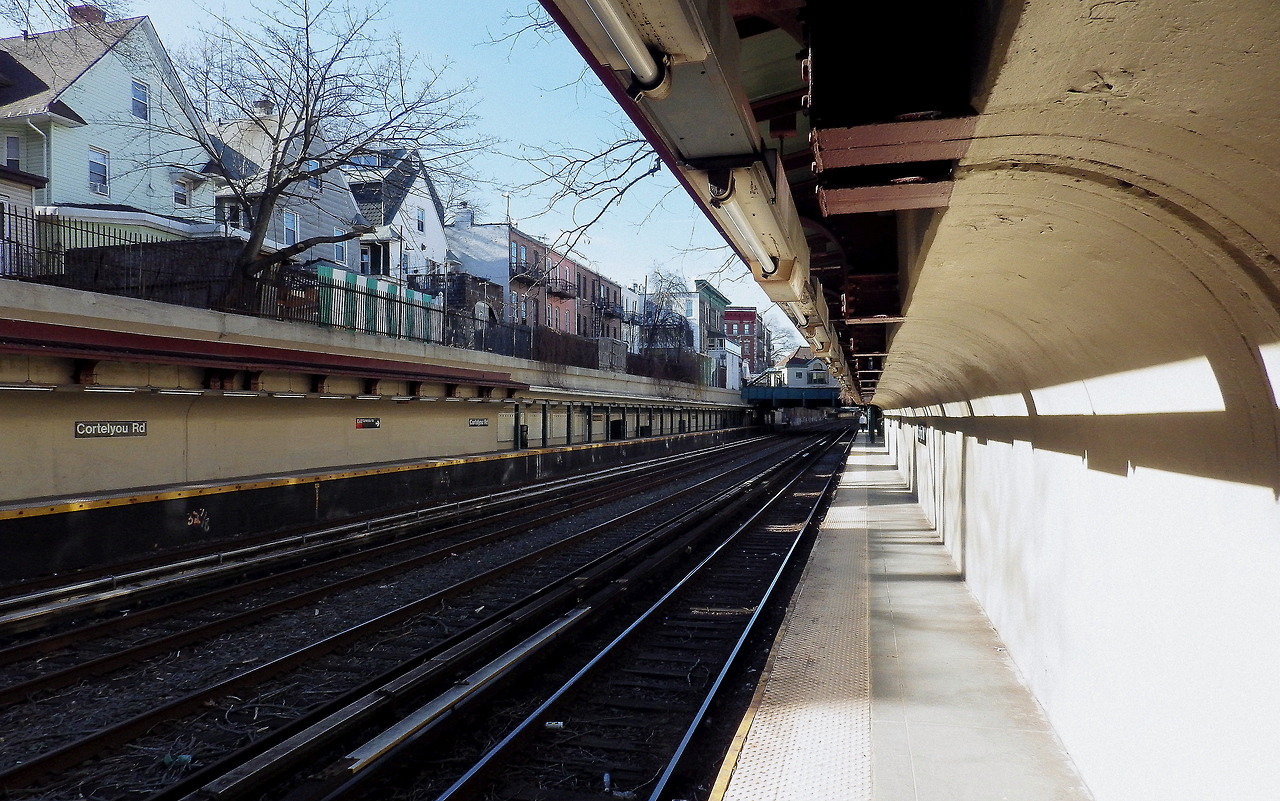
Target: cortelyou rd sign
{"x":368,"y":422}
{"x":110,"y":428}
{"x":478,"y":421}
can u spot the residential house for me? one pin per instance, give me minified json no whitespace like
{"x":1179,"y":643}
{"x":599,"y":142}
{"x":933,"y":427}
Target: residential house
{"x":559,"y":278}
{"x":98,"y":111}
{"x":633,"y":301}
{"x":396,"y":195}
{"x":802,"y":370}
{"x":319,"y":206}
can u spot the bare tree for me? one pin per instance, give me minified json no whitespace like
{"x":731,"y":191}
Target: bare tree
{"x":305,"y":89}
{"x":779,"y":342}
{"x":661,"y":326}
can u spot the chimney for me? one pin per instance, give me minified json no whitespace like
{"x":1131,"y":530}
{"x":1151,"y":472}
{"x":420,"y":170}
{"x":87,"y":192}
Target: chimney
{"x":264,"y":107}
{"x":86,"y":15}
{"x":464,"y":215}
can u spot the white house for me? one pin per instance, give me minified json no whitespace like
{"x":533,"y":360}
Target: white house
{"x":98,"y":110}
{"x":395,"y":194}
{"x":802,"y":370}
{"x":481,"y":249}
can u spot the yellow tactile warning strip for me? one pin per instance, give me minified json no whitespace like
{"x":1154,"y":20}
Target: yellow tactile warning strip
{"x":810,"y":736}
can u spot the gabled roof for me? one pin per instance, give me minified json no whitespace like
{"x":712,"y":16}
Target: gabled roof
{"x":380,"y":191}
{"x":801,"y":357}
{"x":36,"y":69}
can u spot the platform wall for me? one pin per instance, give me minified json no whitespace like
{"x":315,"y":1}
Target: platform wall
{"x":1138,"y":598}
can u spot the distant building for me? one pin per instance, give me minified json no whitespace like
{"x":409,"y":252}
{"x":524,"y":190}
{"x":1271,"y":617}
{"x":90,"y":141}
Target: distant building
{"x":802,"y":370}
{"x":481,"y":250}
{"x":743,"y":326}
{"x":704,"y":308}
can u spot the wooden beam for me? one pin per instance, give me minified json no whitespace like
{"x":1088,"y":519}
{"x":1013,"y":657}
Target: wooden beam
{"x":892,"y":142}
{"x":893,"y":197}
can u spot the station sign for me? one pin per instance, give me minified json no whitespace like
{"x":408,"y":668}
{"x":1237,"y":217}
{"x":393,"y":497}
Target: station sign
{"x":478,"y":421}
{"x":368,"y":422}
{"x":87,"y":429}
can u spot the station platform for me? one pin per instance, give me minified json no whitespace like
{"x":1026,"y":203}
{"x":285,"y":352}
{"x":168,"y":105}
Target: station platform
{"x":887,"y":682}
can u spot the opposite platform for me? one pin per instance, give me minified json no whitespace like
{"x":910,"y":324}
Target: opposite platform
{"x":887,"y":682}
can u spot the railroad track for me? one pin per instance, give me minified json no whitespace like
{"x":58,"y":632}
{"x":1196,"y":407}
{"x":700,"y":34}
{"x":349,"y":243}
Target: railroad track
{"x":493,"y":606}
{"x":43,"y":603}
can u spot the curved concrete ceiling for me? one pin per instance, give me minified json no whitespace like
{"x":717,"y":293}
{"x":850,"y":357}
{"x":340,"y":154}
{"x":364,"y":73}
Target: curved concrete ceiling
{"x":1094,"y":227}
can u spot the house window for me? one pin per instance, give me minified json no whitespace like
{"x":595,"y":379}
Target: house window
{"x":313,"y":181}
{"x":233,"y":216}
{"x":181,"y":193}
{"x":141,"y":102}
{"x":404,"y":263}
{"x":422,"y":219}
{"x":99,"y":171}
{"x":13,"y":152}
{"x":290,"y":228}
{"x":339,"y":248}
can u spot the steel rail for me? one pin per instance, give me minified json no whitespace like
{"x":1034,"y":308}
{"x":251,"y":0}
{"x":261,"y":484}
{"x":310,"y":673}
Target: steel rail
{"x":391,"y":744}
{"x":247,"y":774}
{"x":125,"y":585}
{"x":597,"y":486}
{"x":153,"y":647}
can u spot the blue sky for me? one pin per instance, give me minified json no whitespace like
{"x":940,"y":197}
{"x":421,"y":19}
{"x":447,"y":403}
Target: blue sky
{"x":532,"y":92}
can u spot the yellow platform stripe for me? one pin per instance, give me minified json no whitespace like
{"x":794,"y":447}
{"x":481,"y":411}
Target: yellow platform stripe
{"x":196,"y":492}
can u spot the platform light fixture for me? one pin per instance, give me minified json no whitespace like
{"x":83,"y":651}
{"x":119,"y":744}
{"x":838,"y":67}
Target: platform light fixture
{"x":368,"y":397}
{"x":29,"y":387}
{"x":287,"y":395}
{"x":626,"y":37}
{"x":179,"y":392}
{"x":241,"y":394}
{"x":728,"y":197}
{"x":117,"y":390}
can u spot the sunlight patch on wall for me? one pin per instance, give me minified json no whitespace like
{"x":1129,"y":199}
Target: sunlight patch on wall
{"x":1069,"y":398}
{"x":1174,"y":388}
{"x":1011,"y":405}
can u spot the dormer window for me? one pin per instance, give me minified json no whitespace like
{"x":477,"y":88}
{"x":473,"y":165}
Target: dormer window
{"x":181,"y":193}
{"x":141,"y":102}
